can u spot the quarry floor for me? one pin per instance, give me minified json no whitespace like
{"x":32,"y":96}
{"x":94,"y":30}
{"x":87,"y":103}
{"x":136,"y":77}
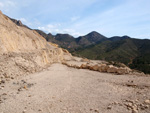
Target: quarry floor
{"x":61,"y":89}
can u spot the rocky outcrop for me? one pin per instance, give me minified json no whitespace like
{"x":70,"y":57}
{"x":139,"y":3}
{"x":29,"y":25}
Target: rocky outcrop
{"x":24,"y":51}
{"x":14,"y":38}
{"x":112,"y":69}
{"x":19,"y":39}
{"x":99,"y":66}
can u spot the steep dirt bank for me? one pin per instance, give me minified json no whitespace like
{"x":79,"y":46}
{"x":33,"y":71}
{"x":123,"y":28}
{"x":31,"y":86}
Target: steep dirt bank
{"x":61,"y":89}
{"x":23,"y":51}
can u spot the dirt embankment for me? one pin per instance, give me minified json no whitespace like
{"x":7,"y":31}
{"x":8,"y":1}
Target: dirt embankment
{"x":23,"y":51}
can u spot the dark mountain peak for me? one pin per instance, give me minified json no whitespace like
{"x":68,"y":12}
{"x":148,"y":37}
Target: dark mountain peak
{"x":94,"y":37}
{"x":117,"y":38}
{"x":64,"y":37}
{"x":93,"y":34}
{"x":90,"y":39}
{"x":125,"y":36}
{"x":67,"y":35}
{"x":49,"y":34}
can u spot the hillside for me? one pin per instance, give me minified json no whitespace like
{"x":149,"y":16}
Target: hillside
{"x":22,"y":50}
{"x":69,"y":42}
{"x":132,"y":52}
{"x":37,"y":76}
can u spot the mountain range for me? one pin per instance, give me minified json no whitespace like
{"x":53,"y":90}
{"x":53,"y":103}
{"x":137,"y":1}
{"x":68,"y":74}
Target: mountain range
{"x":133,"y":52}
{"x":69,"y":42}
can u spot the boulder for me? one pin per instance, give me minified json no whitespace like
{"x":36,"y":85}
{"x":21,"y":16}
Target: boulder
{"x":147,"y":101}
{"x":83,"y":66}
{"x":128,"y":70}
{"x":103,"y":68}
{"x":94,"y":68}
{"x":124,"y":70}
{"x":112,"y":69}
{"x":121,"y":70}
{"x":85,"y":60}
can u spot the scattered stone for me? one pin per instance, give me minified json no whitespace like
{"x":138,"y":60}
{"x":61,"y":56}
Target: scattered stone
{"x":23,"y":81}
{"x":39,"y":110}
{"x":134,"y":111}
{"x":91,"y":109}
{"x":147,"y":101}
{"x":109,"y":107}
{"x":146,"y":106}
{"x":3,"y":81}
{"x":6,"y":76}
{"x":115,"y":103}
{"x":29,"y":85}
{"x":24,"y":111}
{"x":4,"y":94}
{"x":143,"y":107}
{"x":25,"y":87}
{"x":120,"y":104}
{"x":1,"y":88}
{"x":136,"y":100}
{"x":12,"y":77}
{"x":131,"y":85}
{"x":96,"y":111}
{"x":129,"y":105}
{"x":20,"y":89}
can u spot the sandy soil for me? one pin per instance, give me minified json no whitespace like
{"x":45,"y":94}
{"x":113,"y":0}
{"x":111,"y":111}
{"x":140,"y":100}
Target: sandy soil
{"x":61,"y":89}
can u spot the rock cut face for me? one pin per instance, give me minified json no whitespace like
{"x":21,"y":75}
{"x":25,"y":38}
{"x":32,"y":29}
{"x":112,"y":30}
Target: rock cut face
{"x":19,"y":39}
{"x":24,"y":51}
{"x":14,"y":38}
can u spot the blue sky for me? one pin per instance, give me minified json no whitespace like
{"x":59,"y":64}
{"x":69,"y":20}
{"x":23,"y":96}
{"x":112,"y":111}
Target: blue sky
{"x":108,"y":17}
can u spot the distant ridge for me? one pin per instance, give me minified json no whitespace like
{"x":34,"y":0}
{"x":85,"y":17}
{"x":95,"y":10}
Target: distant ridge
{"x":133,"y":52}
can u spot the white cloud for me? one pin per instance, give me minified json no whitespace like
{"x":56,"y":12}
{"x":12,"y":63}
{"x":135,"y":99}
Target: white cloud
{"x":116,"y":17}
{"x":57,"y":28}
{"x":7,"y":5}
{"x":23,"y":19}
{"x":25,"y":22}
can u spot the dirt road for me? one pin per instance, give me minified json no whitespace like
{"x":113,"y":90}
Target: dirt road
{"x":61,"y":89}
